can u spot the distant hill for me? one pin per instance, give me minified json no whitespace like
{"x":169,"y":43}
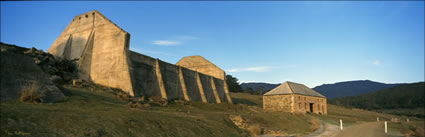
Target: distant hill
{"x":256,"y":87}
{"x":407,"y":96}
{"x":351,"y":88}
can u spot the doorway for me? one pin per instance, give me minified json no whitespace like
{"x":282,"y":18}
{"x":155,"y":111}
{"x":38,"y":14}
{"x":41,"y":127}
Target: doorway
{"x":311,"y":107}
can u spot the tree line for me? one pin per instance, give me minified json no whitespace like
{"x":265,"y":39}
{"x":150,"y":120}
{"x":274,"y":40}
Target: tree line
{"x":233,"y":84}
{"x":403,"y":96}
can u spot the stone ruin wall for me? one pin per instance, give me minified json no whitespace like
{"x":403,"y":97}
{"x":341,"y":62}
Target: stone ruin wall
{"x":104,"y":58}
{"x":200,"y":64}
{"x":294,"y":103}
{"x":198,"y":86}
{"x":101,"y":48}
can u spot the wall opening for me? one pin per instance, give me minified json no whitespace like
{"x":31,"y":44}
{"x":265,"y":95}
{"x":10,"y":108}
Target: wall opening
{"x":311,"y":107}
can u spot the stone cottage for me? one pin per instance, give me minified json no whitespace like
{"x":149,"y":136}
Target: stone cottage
{"x":295,"y":98}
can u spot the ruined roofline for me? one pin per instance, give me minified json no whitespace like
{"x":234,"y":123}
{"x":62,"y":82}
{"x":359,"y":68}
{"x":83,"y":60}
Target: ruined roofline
{"x":203,"y":58}
{"x":295,"y":94}
{"x":289,"y":87}
{"x":97,"y":12}
{"x":134,"y":52}
{"x":290,"y":84}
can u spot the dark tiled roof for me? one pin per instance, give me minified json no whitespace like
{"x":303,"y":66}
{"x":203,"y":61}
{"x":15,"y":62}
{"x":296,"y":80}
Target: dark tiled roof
{"x":293,"y":88}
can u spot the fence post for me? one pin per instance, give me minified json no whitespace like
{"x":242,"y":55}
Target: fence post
{"x":386,"y":130}
{"x":340,"y":124}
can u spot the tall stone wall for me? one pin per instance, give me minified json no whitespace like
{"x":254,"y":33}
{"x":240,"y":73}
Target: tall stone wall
{"x":71,"y":42}
{"x":147,"y":83}
{"x":190,"y":79}
{"x":200,"y":64}
{"x":220,"y":89}
{"x":102,"y":50}
{"x":170,"y":77}
{"x":143,"y":78}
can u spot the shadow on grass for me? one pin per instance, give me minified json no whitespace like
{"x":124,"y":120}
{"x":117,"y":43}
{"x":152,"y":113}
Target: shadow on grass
{"x":86,"y":95}
{"x":243,"y":101}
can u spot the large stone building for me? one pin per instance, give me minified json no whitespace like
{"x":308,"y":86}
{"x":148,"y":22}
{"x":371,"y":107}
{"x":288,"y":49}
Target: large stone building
{"x":102,"y":50}
{"x":295,"y":98}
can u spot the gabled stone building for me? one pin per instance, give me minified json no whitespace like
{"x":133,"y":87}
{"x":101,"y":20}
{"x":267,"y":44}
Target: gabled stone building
{"x":104,"y":57}
{"x":295,"y":98}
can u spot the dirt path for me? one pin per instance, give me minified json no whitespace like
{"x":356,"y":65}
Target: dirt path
{"x":368,"y":129}
{"x":325,"y":130}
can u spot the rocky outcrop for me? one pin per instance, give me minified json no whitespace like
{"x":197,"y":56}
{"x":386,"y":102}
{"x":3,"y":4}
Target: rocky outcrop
{"x":20,"y":69}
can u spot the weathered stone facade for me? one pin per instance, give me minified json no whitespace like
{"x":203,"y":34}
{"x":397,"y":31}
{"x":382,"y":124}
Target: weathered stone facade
{"x":102,"y":50}
{"x":200,"y":64}
{"x":287,"y":98}
{"x":310,"y":104}
{"x":281,"y":103}
{"x":101,"y":47}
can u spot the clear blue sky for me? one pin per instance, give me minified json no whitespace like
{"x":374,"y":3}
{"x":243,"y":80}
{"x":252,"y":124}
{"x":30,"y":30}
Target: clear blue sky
{"x":306,"y":42}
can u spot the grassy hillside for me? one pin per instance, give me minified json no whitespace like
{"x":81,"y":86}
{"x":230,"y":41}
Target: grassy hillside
{"x":408,"y":96}
{"x":96,"y":113}
{"x":92,"y":112}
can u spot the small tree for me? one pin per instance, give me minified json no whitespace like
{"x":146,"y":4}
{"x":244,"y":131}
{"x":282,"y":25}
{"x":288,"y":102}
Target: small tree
{"x":249,"y":90}
{"x":233,"y":84}
{"x":260,"y":90}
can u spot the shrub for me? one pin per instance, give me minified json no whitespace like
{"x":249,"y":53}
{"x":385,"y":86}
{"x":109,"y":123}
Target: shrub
{"x":254,"y":130}
{"x":29,"y":94}
{"x":314,"y":124}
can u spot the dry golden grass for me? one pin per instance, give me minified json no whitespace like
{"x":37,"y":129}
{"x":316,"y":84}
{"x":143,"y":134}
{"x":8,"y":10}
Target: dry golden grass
{"x":29,"y":94}
{"x":254,"y":130}
{"x":315,"y":124}
{"x":413,"y":129}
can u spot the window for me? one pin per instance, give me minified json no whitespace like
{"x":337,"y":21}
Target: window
{"x":299,"y":97}
{"x":318,"y":107}
{"x":299,"y":105}
{"x":304,"y":98}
